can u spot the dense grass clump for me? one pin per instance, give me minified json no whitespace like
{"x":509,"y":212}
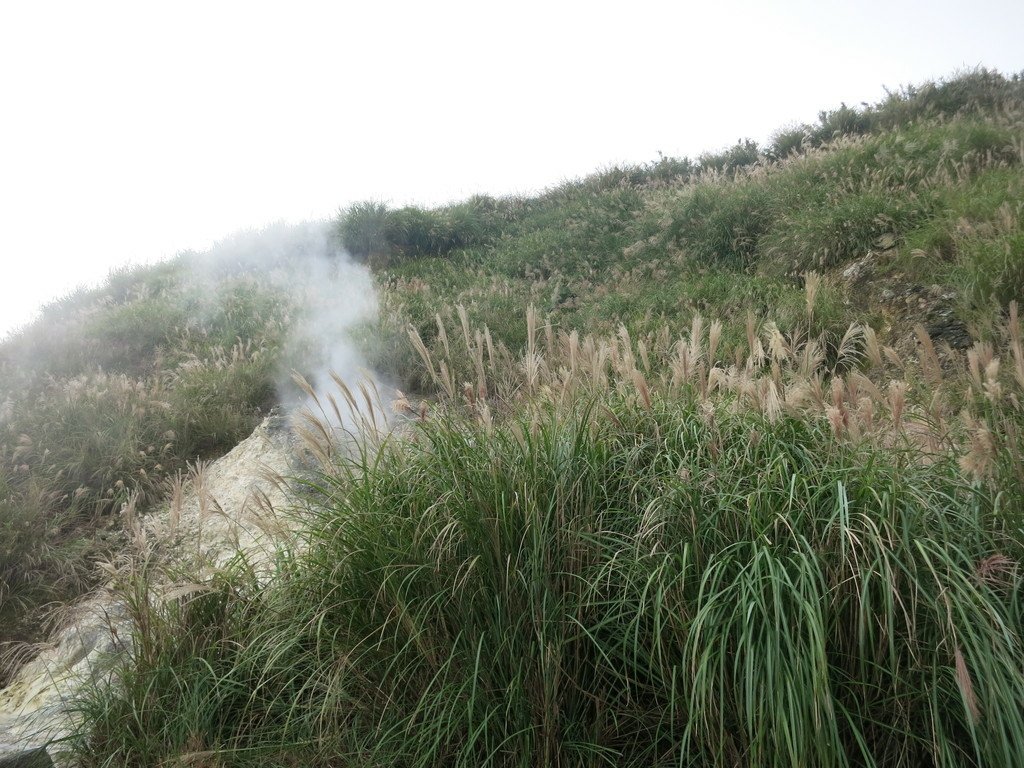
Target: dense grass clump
{"x":374,"y":232}
{"x":607,"y":585}
{"x":673,"y":588}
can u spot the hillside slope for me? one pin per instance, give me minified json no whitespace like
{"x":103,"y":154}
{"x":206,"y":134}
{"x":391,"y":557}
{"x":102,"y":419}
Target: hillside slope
{"x":682,"y":439}
{"x":912,"y":210}
{"x":114,"y":392}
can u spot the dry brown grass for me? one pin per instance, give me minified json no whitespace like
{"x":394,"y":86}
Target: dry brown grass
{"x":865,"y":390}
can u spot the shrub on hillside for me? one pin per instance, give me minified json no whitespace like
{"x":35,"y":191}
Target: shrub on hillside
{"x":374,"y":232}
{"x":844,"y":121}
{"x":789,"y":141}
{"x":842,"y":230}
{"x":720,"y":222}
{"x":362,"y":229}
{"x":742,"y":154}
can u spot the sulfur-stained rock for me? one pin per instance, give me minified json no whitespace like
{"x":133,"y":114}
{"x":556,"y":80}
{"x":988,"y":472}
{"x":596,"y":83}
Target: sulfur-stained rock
{"x":228,"y":507}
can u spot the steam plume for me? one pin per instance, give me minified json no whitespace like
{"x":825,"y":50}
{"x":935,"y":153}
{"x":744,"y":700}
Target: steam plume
{"x":330,"y":298}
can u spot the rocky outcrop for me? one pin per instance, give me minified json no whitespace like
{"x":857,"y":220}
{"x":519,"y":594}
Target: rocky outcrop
{"x":905,"y":303}
{"x":228,"y":505}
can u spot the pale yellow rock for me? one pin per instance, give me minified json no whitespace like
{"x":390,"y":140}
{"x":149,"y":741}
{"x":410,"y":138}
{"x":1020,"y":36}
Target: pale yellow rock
{"x":230,"y":504}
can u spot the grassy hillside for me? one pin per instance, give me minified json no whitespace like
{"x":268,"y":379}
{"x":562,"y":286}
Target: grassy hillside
{"x":106,"y":397}
{"x":113,"y":391}
{"x":926,"y":187}
{"x":703,"y":462}
{"x":600,"y":553}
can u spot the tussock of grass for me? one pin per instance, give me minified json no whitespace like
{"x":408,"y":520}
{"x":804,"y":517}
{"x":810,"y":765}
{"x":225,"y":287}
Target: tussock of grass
{"x":605,"y":586}
{"x":639,"y":556}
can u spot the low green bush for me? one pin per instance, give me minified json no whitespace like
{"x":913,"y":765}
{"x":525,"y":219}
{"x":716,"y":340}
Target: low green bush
{"x":742,"y":154}
{"x":374,"y":232}
{"x":720,"y":222}
{"x":789,"y":141}
{"x":362,"y":229}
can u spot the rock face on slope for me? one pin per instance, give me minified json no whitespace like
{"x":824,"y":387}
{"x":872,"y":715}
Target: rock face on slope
{"x":228,"y":505}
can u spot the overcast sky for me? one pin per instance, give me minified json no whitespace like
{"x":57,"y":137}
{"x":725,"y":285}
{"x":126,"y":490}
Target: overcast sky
{"x":131,"y":131}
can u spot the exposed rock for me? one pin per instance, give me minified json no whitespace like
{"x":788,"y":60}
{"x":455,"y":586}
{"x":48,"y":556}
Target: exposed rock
{"x":230,"y":505}
{"x":859,"y":270}
{"x":945,"y":327}
{"x":905,"y":303}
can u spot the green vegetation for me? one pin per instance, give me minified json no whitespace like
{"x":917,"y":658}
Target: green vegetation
{"x":616,"y":534}
{"x":105,"y":400}
{"x":926,"y":185}
{"x":651,"y":560}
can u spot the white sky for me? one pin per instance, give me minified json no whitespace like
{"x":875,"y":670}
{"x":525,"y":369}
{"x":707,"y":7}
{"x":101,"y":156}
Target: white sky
{"x":131,"y":131}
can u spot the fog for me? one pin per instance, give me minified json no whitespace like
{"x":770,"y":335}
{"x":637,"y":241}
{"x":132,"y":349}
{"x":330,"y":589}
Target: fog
{"x":333,"y":297}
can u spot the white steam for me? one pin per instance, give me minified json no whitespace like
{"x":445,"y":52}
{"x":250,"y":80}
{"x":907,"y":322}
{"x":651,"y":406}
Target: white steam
{"x":331,"y":298}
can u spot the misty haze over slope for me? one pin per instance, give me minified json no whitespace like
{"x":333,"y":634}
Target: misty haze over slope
{"x":329,"y":293}
{"x":118,"y":388}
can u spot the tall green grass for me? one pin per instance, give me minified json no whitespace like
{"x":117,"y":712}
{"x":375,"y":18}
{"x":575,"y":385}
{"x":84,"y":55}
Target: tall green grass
{"x":621,"y":551}
{"x":603,"y":585}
